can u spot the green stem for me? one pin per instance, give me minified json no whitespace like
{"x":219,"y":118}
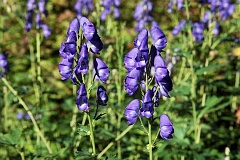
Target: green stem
{"x":91,"y":134}
{"x":118,"y":133}
{"x":150,"y":140}
{"x":6,"y":106}
{"x":39,"y":79}
{"x":115,"y":140}
{"x":29,"y":113}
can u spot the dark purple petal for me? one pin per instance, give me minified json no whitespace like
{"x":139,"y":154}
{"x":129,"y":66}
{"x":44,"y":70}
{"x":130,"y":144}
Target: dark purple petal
{"x":3,"y":65}
{"x":102,"y":71}
{"x":46,"y":30}
{"x":82,"y":65}
{"x":82,"y":100}
{"x":158,"y":37}
{"x":131,"y":111}
{"x":20,"y":115}
{"x":147,"y":104}
{"x":87,"y":28}
{"x":166,"y":127}
{"x":29,"y":19}
{"x":102,"y":96}
{"x":141,"y":42}
{"x":178,"y":28}
{"x":197,"y":31}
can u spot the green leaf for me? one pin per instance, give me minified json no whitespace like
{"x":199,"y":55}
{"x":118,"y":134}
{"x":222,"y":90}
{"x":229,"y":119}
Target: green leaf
{"x":207,"y":69}
{"x":83,"y":130}
{"x":10,"y":138}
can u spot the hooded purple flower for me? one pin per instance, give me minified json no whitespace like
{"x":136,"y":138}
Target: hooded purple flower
{"x":3,"y":65}
{"x":46,"y":30}
{"x":107,"y":5}
{"x":29,"y":20}
{"x":65,"y":52}
{"x":20,"y":115}
{"x":158,"y":37}
{"x":197,"y":31}
{"x":131,"y":111}
{"x":82,"y":65}
{"x":130,"y":59}
{"x":132,"y":81}
{"x":42,"y":6}
{"x":178,"y":27}
{"x":162,"y":76}
{"x":74,"y":26}
{"x":141,"y":42}
{"x":65,"y":69}
{"x":166,"y":127}
{"x":90,"y":33}
{"x":157,"y":96}
{"x":102,"y":96}
{"x":101,"y":69}
{"x":31,"y":4}
{"x":82,"y":100}
{"x":147,"y":104}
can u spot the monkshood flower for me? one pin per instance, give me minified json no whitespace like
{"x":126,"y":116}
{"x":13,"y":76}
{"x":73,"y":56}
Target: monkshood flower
{"x":82,"y":100}
{"x":31,"y":4}
{"x":90,"y":33}
{"x":83,"y":7}
{"x":130,"y":59}
{"x":162,"y":76}
{"x":107,"y":5}
{"x":207,"y":17}
{"x":101,"y":69}
{"x":132,"y":81}
{"x":158,"y":37}
{"x":20,"y":115}
{"x":132,"y":111}
{"x":74,"y":26}
{"x":178,"y":27}
{"x":65,"y":69}
{"x":157,"y":95}
{"x":102,"y":96}
{"x":226,"y":10}
{"x":3,"y":65}
{"x":166,"y":127}
{"x":82,"y":65}
{"x":147,"y":104}
{"x":42,"y":6}
{"x":197,"y":31}
{"x":179,"y":4}
{"x":142,"y":14}
{"x":216,"y":29}
{"x":29,"y":20}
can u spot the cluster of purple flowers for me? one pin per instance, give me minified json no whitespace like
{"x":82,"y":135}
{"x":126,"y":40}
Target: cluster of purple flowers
{"x":178,"y":3}
{"x":83,"y":7}
{"x":41,"y":12}
{"x":3,"y":65}
{"x":142,"y":14}
{"x":107,"y":5}
{"x":219,"y":11}
{"x":69,"y":53}
{"x":138,"y":63}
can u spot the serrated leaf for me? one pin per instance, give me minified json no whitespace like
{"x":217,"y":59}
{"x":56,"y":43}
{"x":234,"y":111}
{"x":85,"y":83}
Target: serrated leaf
{"x":10,"y":138}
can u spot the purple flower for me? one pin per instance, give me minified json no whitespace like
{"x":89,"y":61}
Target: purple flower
{"x":31,"y":4}
{"x":207,"y":17}
{"x":82,"y":65}
{"x":3,"y":65}
{"x":130,"y":59}
{"x":158,"y":37}
{"x":157,"y":96}
{"x":29,"y":19}
{"x":46,"y":30}
{"x":74,"y":26}
{"x":131,"y":111}
{"x":82,"y":100}
{"x":180,"y":4}
{"x":147,"y":104}
{"x":20,"y":115}
{"x":178,"y":28}
{"x":170,"y":6}
{"x":65,"y":69}
{"x":101,"y":69}
{"x":197,"y":31}
{"x":65,"y":52}
{"x":90,"y":33}
{"x":162,"y":76}
{"x":102,"y":96}
{"x":141,"y":42}
{"x":216,"y":29}
{"x":132,"y":81}
{"x":42,"y":6}
{"x":166,"y":127}
{"x":107,"y":5}
{"x":83,"y":7}
{"x":227,"y":11}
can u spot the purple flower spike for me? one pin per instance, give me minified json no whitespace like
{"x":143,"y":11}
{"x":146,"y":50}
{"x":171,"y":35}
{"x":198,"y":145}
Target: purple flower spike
{"x":147,"y":104}
{"x":129,"y":59}
{"x":131,"y":111}
{"x":158,"y":37}
{"x":65,"y":69}
{"x":82,"y":65}
{"x":29,"y":19}
{"x":197,"y":31}
{"x":102,"y":96}
{"x":83,"y":7}
{"x":3,"y":65}
{"x":74,"y":26}
{"x":101,"y":69}
{"x":166,"y":127}
{"x":42,"y":6}
{"x":162,"y":76}
{"x":82,"y":100}
{"x":132,"y":81}
{"x":178,"y":28}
